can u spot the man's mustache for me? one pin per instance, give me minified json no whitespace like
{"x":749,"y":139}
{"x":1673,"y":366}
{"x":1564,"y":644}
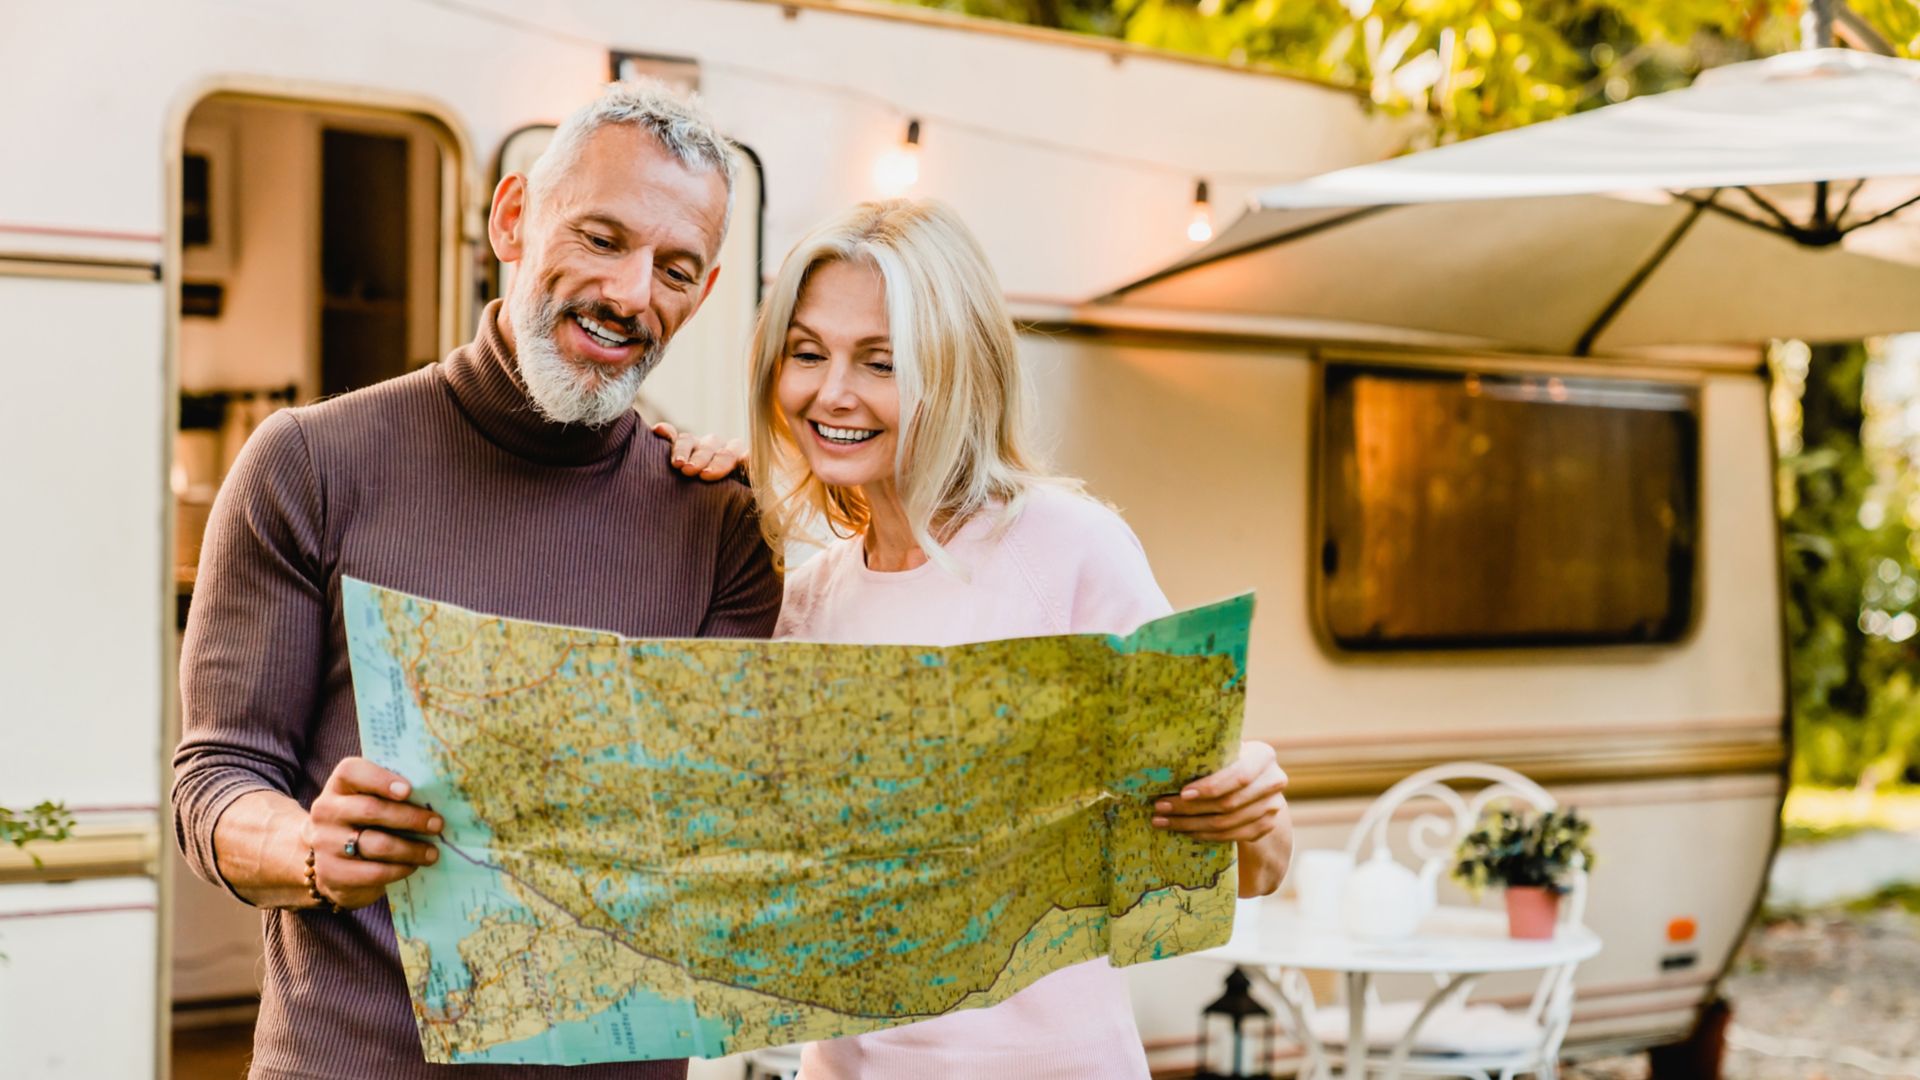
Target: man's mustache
{"x":603,"y":314}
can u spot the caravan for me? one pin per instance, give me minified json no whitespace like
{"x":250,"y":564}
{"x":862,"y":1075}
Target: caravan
{"x":177,"y":259}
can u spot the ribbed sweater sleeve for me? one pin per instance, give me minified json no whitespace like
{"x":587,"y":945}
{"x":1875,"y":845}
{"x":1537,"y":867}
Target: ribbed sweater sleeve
{"x":255,"y":641}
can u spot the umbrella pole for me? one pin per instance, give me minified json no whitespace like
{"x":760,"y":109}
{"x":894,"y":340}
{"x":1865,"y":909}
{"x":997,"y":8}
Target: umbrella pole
{"x":1816,"y":25}
{"x":1816,"y":32}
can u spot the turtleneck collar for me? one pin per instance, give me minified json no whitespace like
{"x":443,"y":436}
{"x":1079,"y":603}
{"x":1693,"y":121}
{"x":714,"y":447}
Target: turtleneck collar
{"x":484,"y":378}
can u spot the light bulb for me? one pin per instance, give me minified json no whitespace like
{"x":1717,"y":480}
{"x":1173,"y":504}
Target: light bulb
{"x":1200,"y":226}
{"x":896,"y":171}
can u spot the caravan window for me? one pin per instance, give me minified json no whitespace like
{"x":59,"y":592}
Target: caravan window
{"x":1480,"y":509}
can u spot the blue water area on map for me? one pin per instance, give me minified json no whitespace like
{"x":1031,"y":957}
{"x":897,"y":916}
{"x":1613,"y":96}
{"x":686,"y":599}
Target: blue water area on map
{"x":393,"y":735}
{"x":640,"y":1026}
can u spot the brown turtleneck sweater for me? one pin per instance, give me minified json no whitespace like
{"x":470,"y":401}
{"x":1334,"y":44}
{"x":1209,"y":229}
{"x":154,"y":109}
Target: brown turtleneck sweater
{"x":447,"y":484}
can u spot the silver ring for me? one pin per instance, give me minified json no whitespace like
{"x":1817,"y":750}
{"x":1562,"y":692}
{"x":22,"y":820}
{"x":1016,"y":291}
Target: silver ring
{"x":351,"y":849}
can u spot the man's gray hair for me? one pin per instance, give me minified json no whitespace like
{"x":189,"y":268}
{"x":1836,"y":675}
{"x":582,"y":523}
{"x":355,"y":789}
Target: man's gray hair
{"x":678,"y":121}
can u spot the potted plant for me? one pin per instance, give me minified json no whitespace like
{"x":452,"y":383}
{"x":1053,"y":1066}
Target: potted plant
{"x":1532,"y":856}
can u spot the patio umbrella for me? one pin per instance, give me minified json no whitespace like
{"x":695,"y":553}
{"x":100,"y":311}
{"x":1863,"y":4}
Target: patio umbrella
{"x":1764,"y":201}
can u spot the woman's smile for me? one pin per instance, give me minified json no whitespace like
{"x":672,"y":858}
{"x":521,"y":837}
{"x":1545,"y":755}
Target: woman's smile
{"x":842,"y":436}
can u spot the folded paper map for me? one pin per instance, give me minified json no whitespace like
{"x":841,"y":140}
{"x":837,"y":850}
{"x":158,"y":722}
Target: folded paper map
{"x":672,"y":848}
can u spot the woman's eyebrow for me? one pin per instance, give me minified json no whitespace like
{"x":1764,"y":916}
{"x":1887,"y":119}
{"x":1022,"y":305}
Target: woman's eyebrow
{"x":795,"y":326}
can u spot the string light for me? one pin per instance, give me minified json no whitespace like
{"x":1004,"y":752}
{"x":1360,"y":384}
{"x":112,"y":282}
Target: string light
{"x":1200,"y":227}
{"x":482,"y":12}
{"x":897,"y":170}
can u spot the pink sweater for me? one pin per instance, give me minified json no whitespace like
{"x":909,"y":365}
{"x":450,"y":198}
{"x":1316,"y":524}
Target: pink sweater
{"x":1066,"y":565}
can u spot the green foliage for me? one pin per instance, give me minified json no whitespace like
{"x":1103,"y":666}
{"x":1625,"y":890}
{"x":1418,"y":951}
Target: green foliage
{"x":47,"y":821}
{"x":1085,"y":16}
{"x":1897,"y":20}
{"x":1812,"y":809}
{"x":1517,"y":847}
{"x":1848,"y":513}
{"x":1475,"y":65}
{"x":1905,"y":896}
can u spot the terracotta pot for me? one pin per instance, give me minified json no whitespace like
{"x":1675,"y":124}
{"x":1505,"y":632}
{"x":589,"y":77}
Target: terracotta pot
{"x":1532,"y":912}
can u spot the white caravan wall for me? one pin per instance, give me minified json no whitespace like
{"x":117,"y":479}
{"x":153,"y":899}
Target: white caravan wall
{"x":80,"y":659}
{"x":1077,"y":168}
{"x":79,"y":962}
{"x":1207,"y":455}
{"x":81,"y":422}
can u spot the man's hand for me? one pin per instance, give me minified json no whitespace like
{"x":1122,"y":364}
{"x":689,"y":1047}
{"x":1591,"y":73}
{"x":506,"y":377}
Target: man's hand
{"x":705,"y":456}
{"x":1245,"y":802}
{"x":367,"y":804}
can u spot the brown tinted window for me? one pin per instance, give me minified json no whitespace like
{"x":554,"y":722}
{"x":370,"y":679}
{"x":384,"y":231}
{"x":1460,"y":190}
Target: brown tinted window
{"x":1463,"y":510}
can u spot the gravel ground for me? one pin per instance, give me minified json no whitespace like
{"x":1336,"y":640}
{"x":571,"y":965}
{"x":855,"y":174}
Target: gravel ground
{"x":1833,"y":995}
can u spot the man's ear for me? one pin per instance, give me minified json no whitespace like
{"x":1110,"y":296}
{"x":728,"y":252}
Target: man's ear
{"x":507,"y":221}
{"x":713,"y":275}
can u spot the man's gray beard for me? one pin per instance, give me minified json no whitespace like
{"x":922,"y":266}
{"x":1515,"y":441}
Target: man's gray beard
{"x":561,"y":391}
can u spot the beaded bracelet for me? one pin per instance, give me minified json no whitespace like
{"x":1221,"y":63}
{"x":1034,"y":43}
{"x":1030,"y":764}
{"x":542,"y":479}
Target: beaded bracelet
{"x":313,"y":888}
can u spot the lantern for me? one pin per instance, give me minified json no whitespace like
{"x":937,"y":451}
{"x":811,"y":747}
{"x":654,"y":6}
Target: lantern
{"x":1236,"y":1034}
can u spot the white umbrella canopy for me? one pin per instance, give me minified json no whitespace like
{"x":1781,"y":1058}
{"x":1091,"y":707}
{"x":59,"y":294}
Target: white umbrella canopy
{"x":1762,"y":202}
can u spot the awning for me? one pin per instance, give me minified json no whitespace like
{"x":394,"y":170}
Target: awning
{"x":1762,"y":202}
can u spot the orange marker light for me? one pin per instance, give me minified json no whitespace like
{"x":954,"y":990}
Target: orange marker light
{"x":1681,"y":930}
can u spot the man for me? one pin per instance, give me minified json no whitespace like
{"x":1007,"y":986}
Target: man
{"x":511,"y":478}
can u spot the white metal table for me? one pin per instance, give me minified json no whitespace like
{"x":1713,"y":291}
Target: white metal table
{"x":1458,"y":944}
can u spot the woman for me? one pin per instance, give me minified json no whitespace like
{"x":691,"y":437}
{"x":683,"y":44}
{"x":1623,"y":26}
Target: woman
{"x":888,"y":402}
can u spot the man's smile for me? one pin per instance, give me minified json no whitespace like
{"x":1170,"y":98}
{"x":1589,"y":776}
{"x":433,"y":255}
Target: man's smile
{"x":606,"y":340}
{"x":601,"y":334}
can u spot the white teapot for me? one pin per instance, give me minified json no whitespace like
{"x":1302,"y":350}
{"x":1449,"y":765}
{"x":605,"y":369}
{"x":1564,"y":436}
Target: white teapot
{"x":1385,"y":901}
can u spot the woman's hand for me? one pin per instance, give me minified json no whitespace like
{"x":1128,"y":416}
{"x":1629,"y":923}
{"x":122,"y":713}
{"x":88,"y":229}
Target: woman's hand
{"x":705,"y":456}
{"x":1245,"y":802}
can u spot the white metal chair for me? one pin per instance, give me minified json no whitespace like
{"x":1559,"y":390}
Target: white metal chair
{"x":1523,"y":1041}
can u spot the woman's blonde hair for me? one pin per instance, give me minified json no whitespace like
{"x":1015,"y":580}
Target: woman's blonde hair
{"x":963,"y":446}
